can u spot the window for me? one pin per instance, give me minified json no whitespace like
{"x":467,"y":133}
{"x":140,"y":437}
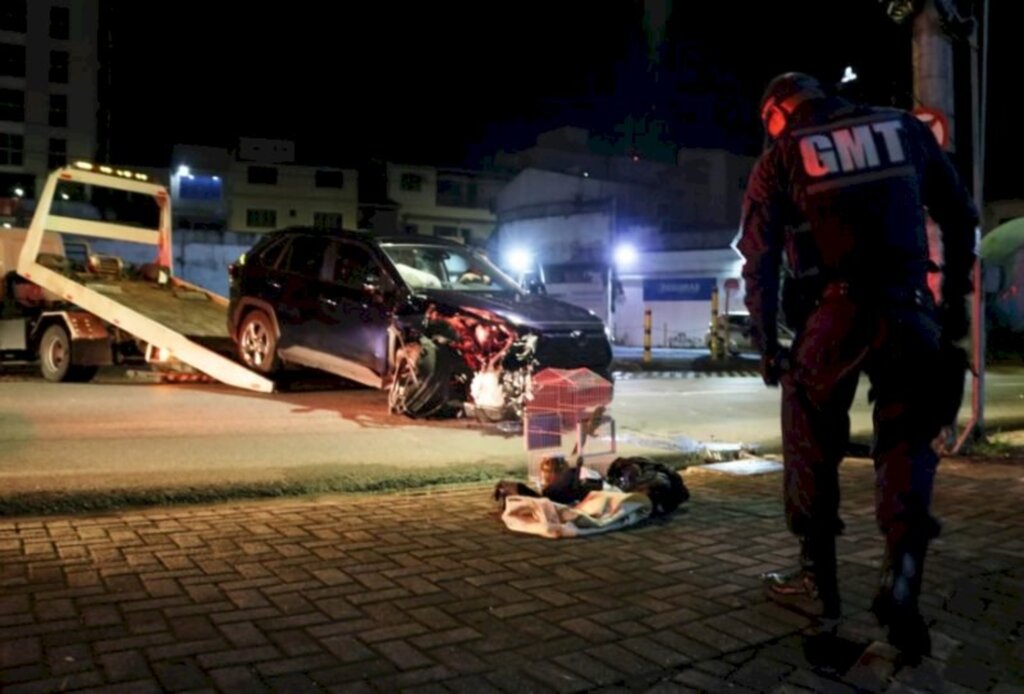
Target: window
{"x":352,"y":265}
{"x":12,"y":105}
{"x":263,"y":175}
{"x":59,"y":110}
{"x":12,"y":60}
{"x":261,"y":219}
{"x":412,"y":182}
{"x":270,"y":254}
{"x":60,"y":23}
{"x":59,"y":67}
{"x":330,"y":179}
{"x":454,"y":193}
{"x":12,"y":149}
{"x":13,"y":15}
{"x":449,"y":193}
{"x":446,"y":231}
{"x":327,"y":220}
{"x":306,"y":256}
{"x":574,"y":273}
{"x":58,"y":153}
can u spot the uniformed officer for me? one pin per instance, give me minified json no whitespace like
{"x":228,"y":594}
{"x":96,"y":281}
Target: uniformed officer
{"x":855,"y":182}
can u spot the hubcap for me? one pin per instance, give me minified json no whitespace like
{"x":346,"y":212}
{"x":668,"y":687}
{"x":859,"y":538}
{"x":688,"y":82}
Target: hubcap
{"x":255,"y":344}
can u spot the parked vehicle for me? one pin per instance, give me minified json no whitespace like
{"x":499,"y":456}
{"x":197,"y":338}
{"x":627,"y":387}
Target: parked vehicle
{"x":734,"y":328}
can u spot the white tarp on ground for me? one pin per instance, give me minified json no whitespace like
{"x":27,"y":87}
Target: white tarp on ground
{"x":599,"y":512}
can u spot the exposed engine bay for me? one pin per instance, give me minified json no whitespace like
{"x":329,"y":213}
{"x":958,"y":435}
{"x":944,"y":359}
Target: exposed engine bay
{"x":464,"y":362}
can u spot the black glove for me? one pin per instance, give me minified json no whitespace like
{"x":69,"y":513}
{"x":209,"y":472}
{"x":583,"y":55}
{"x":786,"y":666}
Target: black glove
{"x":774,"y":364}
{"x":954,"y":319}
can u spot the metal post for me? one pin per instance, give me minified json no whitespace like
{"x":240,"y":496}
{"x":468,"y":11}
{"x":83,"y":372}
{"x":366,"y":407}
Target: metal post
{"x":647,"y":335}
{"x":933,"y":65}
{"x":716,"y":343}
{"x":610,"y":253}
{"x":976,"y":428}
{"x":611,"y":300}
{"x":933,"y":86}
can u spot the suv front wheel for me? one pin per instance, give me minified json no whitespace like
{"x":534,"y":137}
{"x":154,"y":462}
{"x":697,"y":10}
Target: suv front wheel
{"x":257,"y":343}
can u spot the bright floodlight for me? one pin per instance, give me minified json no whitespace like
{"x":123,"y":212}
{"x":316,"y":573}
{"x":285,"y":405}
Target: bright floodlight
{"x":848,"y":75}
{"x":625,"y":255}
{"x":520,"y":259}
{"x":184,"y":170}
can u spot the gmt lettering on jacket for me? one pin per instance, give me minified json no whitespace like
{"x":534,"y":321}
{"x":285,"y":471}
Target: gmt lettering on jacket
{"x":852,"y":152}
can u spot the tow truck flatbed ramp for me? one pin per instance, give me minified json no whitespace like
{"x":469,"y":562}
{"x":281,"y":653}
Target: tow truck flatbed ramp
{"x":182,"y":308}
{"x":169,"y":316}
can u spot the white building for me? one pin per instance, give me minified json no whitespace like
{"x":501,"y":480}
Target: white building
{"x":570,"y":210}
{"x":49,"y":68}
{"x":449,"y":203}
{"x":260,"y":187}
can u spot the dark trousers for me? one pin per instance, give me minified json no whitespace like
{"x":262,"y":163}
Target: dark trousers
{"x":896,"y":345}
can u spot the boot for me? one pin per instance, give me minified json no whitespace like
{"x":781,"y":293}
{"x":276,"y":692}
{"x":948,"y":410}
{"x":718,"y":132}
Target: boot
{"x":812,"y":589}
{"x":895,"y":604}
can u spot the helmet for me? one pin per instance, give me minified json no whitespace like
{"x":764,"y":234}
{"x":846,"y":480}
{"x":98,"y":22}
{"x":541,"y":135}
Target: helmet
{"x":783,"y":95}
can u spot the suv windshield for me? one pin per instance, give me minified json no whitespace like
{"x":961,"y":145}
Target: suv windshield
{"x":428,"y":266}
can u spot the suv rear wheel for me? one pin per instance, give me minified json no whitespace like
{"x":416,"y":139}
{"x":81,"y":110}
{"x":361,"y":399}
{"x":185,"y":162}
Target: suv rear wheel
{"x":257,"y":343}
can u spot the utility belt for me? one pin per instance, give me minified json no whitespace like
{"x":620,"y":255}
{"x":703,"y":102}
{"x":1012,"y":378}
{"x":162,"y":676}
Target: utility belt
{"x":904,"y":296}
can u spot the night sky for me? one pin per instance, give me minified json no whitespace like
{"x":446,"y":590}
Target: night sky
{"x":451,"y":83}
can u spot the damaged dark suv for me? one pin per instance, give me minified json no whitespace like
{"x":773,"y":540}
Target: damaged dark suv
{"x":433,"y":322}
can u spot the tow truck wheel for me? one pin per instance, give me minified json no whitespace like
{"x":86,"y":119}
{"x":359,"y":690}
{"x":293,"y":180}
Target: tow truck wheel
{"x":257,"y":343}
{"x":55,"y":354}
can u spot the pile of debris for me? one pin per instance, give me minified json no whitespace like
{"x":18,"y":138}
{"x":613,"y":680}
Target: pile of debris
{"x":576,"y":501}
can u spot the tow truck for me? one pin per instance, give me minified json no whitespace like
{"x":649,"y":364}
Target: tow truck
{"x":73,"y":312}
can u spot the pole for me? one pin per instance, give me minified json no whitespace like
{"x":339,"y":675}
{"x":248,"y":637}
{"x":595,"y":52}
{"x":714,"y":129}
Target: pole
{"x":610,"y":251}
{"x":647,"y":335}
{"x":979,"y":82}
{"x":933,"y":86}
{"x":716,"y":344}
{"x":933,"y":65}
{"x":611,"y":301}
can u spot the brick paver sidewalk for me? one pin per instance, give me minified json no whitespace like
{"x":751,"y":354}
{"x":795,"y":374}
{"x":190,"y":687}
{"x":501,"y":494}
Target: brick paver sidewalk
{"x":430,"y":591}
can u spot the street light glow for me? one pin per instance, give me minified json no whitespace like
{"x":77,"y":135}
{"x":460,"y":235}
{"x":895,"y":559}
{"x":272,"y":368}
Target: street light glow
{"x":848,"y":75}
{"x":520,"y":259}
{"x":625,"y":255}
{"x":184,"y":170}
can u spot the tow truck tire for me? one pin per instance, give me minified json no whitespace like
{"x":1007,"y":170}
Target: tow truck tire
{"x":257,"y":343}
{"x":55,"y":357}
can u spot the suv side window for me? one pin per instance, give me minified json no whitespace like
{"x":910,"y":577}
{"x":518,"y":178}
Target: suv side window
{"x":351,"y":265}
{"x":270,"y":254}
{"x":305,"y":256}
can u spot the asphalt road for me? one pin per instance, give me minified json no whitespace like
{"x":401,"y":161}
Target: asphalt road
{"x":125,"y":434}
